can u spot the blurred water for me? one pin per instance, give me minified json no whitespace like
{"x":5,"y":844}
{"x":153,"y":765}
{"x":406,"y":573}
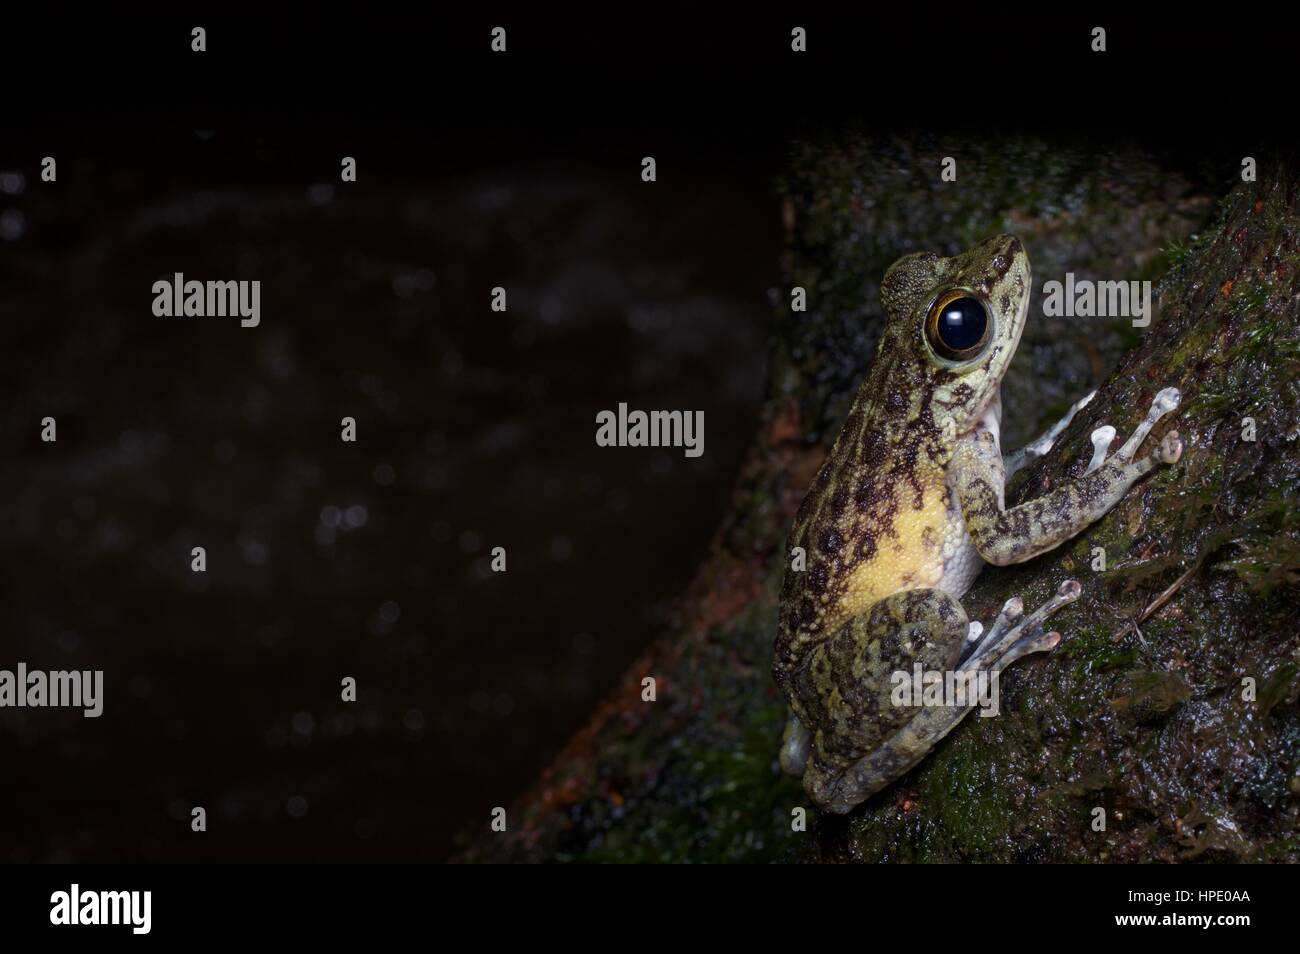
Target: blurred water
{"x":325,"y":560}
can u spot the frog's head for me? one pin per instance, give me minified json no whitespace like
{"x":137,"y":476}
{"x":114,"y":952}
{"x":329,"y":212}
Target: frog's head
{"x":954,"y":324}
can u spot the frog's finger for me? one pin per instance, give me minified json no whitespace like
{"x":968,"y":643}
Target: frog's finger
{"x":1012,"y":610}
{"x":1040,"y":446}
{"x":1101,"y":439}
{"x":1038,"y":642}
{"x":1044,"y":443}
{"x":1166,"y":401}
{"x":1168,"y":451}
{"x":1064,"y":422}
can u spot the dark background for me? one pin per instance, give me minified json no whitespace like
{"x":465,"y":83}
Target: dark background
{"x":326,"y":559}
{"x":476,"y":429}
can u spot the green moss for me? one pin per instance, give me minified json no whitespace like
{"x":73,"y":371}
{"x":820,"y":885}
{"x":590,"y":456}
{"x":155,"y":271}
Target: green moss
{"x":1096,"y":650}
{"x":1144,"y":695}
{"x":730,"y":812}
{"x":1282,"y":686}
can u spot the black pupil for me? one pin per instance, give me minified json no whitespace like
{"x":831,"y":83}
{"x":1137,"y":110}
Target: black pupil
{"x":962,"y":323}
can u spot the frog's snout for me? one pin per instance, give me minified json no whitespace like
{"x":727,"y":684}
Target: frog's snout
{"x":1003,"y":249}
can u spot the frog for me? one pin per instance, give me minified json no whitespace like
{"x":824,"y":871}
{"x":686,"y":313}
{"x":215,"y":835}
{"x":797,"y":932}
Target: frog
{"x":907,"y":508}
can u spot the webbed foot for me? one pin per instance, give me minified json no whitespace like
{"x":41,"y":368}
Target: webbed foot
{"x":1025,"y":636}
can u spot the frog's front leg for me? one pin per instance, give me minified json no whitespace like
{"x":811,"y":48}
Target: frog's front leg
{"x":1037,"y":448}
{"x":1012,"y":536}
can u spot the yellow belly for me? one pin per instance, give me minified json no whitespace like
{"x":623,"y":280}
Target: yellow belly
{"x":908,"y":558}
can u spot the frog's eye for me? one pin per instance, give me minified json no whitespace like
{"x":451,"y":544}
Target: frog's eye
{"x":958,"y":326}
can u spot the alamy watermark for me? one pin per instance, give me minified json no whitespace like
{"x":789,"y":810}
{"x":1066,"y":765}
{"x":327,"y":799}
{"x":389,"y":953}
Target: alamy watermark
{"x":626,"y":428}
{"x":37,"y":688}
{"x":74,"y":906}
{"x":954,"y":688}
{"x":194,"y":299}
{"x":1084,"y":298}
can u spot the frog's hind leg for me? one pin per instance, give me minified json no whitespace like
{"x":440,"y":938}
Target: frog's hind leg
{"x":1010,"y":637}
{"x":853,"y":675}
